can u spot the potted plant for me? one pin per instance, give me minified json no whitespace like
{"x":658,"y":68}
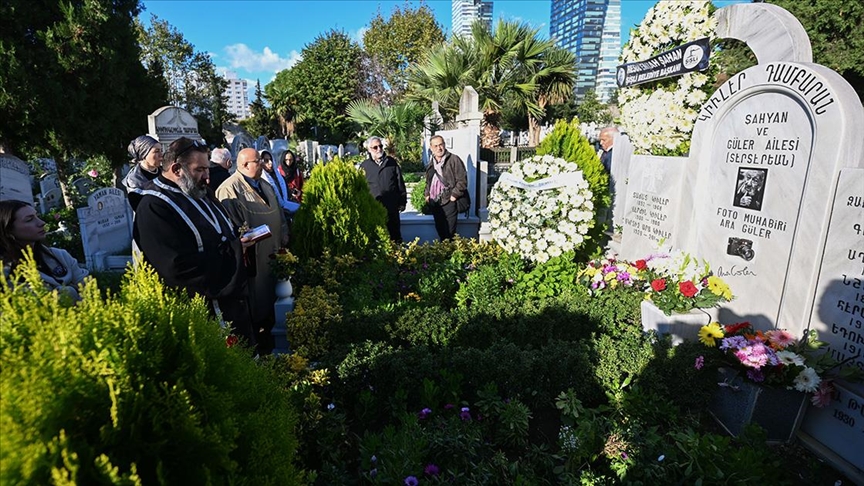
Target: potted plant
{"x":283,"y":265}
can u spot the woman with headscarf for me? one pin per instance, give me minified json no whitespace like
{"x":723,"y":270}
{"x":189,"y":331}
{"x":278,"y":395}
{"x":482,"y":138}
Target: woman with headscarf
{"x":276,"y":180}
{"x":146,"y":155}
{"x":292,"y":175}
{"x":20,"y":229}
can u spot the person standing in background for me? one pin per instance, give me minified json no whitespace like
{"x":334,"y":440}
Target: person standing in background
{"x":386,"y":184}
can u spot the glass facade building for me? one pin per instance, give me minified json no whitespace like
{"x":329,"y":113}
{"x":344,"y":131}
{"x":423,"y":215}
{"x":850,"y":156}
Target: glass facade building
{"x":590,"y":29}
{"x":465,"y":12}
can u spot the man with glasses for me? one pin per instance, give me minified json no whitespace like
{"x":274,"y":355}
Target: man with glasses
{"x":188,"y":238}
{"x":251,"y":202}
{"x":386,"y":184}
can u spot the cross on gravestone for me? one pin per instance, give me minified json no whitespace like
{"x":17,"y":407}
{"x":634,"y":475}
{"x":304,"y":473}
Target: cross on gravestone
{"x":15,"y":179}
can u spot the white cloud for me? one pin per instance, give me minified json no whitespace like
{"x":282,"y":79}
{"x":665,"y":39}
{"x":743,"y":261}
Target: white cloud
{"x":240,"y":56}
{"x":357,"y":35}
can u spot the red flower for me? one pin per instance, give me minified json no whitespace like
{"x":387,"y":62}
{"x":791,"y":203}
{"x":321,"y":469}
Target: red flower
{"x":658,"y":284}
{"x":733,"y":328}
{"x":687,"y":289}
{"x":640,"y":264}
{"x":231,"y":340}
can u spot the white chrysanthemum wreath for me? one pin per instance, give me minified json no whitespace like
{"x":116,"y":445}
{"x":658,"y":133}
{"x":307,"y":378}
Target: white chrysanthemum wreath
{"x":541,"y":208}
{"x":659,"y":116}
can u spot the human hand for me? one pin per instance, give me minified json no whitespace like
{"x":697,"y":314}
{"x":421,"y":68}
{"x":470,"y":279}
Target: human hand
{"x":452,"y":199}
{"x":427,"y":199}
{"x":246,"y":242}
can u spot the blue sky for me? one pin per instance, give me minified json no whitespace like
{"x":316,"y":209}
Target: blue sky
{"x":257,"y":39}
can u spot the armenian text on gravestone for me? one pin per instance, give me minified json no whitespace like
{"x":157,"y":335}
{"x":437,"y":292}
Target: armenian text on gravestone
{"x":762,"y":154}
{"x":838,"y":314}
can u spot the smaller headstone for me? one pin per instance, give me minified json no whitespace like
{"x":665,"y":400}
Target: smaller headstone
{"x":240,"y":142}
{"x":50,"y":200}
{"x":85,"y":187}
{"x":106,"y":226}
{"x":652,"y":204}
{"x":170,"y":123}
{"x":341,"y":151}
{"x":48,"y":182}
{"x":262,"y":143}
{"x":469,"y":107}
{"x":15,"y":179}
{"x":622,"y":152}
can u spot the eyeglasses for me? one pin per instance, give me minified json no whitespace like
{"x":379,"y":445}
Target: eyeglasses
{"x":374,"y":147}
{"x":195,"y":143}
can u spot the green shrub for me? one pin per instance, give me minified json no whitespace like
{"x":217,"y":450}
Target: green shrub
{"x":418,"y":197}
{"x":138,"y":388}
{"x":309,"y":326}
{"x":550,"y":278}
{"x":566,"y":141}
{"x":488,"y":282}
{"x":430,"y":326}
{"x":338,"y":213}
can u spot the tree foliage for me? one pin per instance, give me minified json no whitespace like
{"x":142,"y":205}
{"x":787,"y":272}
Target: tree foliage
{"x":836,"y":31}
{"x":190,"y":76}
{"x":507,"y":66}
{"x":401,"y":124}
{"x":259,"y":123}
{"x":71,"y":83}
{"x":400,"y":41}
{"x":320,"y":87}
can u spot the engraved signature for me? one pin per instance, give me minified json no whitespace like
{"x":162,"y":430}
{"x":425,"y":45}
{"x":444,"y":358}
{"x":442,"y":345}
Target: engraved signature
{"x":735,"y":272}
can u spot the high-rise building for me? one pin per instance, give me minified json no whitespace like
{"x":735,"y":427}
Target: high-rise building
{"x":465,"y":12}
{"x":238,"y":98}
{"x":590,"y":29}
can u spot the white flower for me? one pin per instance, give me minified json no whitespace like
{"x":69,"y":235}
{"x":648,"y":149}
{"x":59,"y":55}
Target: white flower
{"x":790,"y":358}
{"x":807,"y":381}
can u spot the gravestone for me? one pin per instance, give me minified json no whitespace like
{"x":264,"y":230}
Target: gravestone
{"x":170,"y":123}
{"x":51,"y":199}
{"x":622,"y":152}
{"x":650,"y":213}
{"x":48,"y":182}
{"x":84,"y":186}
{"x":15,"y":179}
{"x":106,"y":228}
{"x":776,"y":152}
{"x":241,"y":141}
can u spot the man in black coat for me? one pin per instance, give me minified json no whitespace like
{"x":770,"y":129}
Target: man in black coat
{"x":386,"y":184}
{"x":220,"y":164}
{"x":185,"y":233}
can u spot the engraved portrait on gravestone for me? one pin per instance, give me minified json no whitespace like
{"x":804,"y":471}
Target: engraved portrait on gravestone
{"x":750,"y":188}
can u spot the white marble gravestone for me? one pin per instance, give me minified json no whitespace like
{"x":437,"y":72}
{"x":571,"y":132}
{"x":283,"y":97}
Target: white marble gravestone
{"x":15,"y":179}
{"x":170,"y":123}
{"x":649,"y":215}
{"x":106,"y":227}
{"x":622,"y":153}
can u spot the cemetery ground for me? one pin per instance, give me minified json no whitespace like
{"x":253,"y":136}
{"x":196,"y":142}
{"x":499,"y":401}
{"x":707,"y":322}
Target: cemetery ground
{"x":446,"y":363}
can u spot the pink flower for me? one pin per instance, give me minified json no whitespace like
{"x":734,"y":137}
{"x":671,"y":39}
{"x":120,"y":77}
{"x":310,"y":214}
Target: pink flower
{"x":700,"y":362}
{"x":780,"y":338}
{"x":93,"y":173}
{"x":755,"y":355}
{"x":822,"y":397}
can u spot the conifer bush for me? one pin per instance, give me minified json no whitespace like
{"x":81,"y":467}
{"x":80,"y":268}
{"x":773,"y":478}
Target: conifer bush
{"x":338,"y":213}
{"x":133,"y":388}
{"x":567,"y":142}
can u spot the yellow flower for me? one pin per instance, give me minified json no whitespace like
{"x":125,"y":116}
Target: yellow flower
{"x":709,"y":333}
{"x":590,"y":271}
{"x":718,"y":287}
{"x":610,"y":276}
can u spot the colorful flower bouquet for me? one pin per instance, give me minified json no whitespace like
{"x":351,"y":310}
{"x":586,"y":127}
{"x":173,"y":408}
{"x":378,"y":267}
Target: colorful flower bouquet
{"x":679,"y":282}
{"x":610,"y":273}
{"x":772,"y":358}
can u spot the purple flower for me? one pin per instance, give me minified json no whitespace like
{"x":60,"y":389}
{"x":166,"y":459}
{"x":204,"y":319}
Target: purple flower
{"x":756,"y":375}
{"x":623,"y":277}
{"x":733,"y":342}
{"x":374,"y":459}
{"x":424,"y":413}
{"x":448,"y":406}
{"x":373,"y":472}
{"x":431,"y":470}
{"x":625,"y":456}
{"x":465,"y":415}
{"x":411,"y":481}
{"x":700,"y":362}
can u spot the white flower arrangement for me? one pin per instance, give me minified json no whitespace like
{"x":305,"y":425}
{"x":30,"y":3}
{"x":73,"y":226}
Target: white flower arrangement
{"x":659,"y":117}
{"x":541,"y":208}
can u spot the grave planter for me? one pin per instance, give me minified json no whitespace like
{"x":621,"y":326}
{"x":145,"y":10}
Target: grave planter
{"x":284,"y":304}
{"x":679,"y":326}
{"x":740,"y":402}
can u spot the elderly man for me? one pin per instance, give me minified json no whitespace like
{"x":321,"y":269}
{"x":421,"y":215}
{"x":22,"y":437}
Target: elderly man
{"x":220,"y":165}
{"x":607,"y":139}
{"x":386,"y":184}
{"x":188,"y":238}
{"x":446,"y":183}
{"x":252,"y":202}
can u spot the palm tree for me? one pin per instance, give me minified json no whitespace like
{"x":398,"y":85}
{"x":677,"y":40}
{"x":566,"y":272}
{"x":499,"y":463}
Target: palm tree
{"x":399,"y":124}
{"x":507,"y":65}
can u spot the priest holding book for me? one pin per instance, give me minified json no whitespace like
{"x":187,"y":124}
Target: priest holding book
{"x":251,"y":203}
